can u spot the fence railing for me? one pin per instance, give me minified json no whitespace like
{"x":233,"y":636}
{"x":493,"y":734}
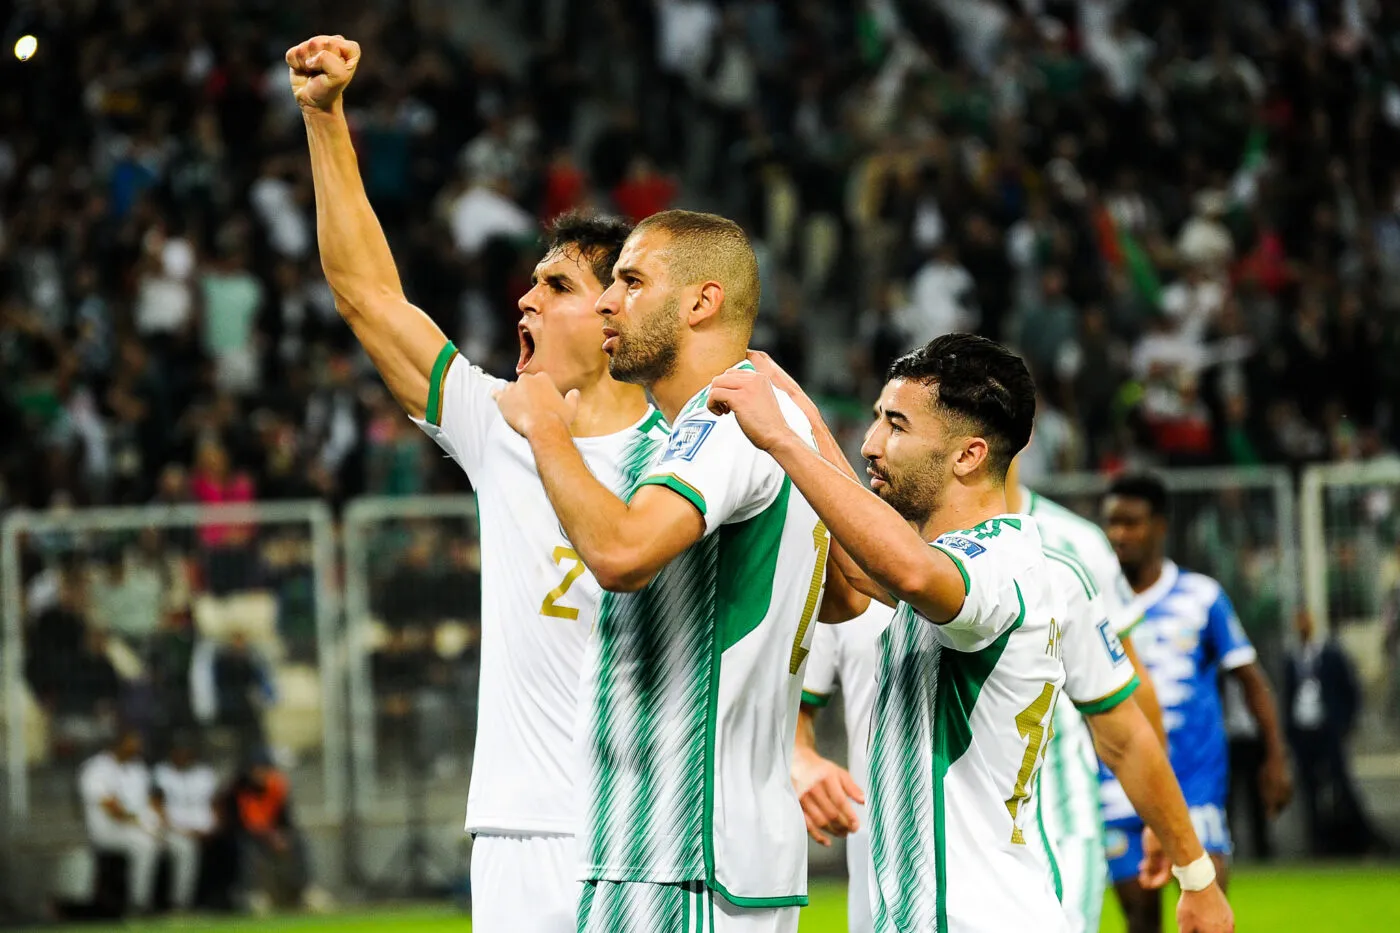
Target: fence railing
{"x":144,"y":615}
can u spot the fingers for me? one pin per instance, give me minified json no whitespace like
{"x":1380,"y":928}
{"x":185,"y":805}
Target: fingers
{"x":822,"y":808}
{"x":307,"y":56}
{"x":815,"y":832}
{"x":852,"y":789}
{"x":719,"y":401}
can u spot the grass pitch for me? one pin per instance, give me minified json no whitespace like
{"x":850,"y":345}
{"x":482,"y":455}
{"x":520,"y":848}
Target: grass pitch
{"x":1340,"y":899}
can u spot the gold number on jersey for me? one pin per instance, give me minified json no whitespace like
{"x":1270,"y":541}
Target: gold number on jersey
{"x":822,"y":541}
{"x":1032,"y":724}
{"x":550,"y":606}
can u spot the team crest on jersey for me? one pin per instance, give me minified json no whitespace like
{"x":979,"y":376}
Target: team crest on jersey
{"x":686,"y":440}
{"x":1115,"y":843}
{"x":966,"y":546}
{"x":1112,"y":644}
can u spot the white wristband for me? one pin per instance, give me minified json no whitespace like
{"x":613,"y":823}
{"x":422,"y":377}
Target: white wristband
{"x":1197,"y":876}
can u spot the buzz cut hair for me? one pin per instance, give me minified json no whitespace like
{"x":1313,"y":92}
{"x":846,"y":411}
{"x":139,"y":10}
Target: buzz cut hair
{"x":589,"y":238}
{"x":710,"y":248}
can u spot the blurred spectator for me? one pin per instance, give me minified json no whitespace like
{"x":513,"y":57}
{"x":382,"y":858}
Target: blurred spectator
{"x":274,"y":864}
{"x":230,"y":686}
{"x":185,"y":789}
{"x":1321,"y":703}
{"x":121,"y":817}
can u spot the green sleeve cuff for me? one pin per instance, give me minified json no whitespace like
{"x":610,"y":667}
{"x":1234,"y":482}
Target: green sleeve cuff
{"x":433,"y":415}
{"x":679,"y":486}
{"x":814,"y":699}
{"x":1104,"y":704}
{"x":957,"y":561}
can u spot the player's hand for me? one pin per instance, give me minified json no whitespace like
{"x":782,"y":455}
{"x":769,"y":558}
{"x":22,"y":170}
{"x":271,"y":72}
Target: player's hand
{"x":1204,"y":912}
{"x":1155,"y":869}
{"x":749,"y":398}
{"x":1275,"y":784}
{"x":532,"y":400}
{"x":825,"y":790}
{"x":320,"y":70}
{"x":780,"y":378}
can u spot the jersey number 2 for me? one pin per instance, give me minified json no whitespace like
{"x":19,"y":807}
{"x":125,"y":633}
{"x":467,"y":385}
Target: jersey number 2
{"x":1033,"y":725}
{"x":822,"y":541}
{"x":550,"y":606}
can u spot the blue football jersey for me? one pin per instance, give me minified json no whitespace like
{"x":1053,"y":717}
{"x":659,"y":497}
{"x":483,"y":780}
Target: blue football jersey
{"x":1189,"y":633}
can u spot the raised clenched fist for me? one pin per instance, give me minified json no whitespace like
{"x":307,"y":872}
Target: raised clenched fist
{"x":320,"y":68}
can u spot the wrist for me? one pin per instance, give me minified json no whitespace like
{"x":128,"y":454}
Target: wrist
{"x":784,"y":444}
{"x":1197,"y":875}
{"x":334,"y":113}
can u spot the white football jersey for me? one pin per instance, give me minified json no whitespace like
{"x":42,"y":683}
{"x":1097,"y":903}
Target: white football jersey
{"x":962,"y":716}
{"x":848,"y":654}
{"x":694,"y":681}
{"x":1098,"y":677}
{"x":538,"y":601}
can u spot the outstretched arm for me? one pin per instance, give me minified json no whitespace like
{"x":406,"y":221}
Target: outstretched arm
{"x":402,"y":341}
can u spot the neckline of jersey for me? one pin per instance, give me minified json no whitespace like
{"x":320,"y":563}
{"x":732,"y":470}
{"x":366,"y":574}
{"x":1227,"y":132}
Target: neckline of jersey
{"x":641,"y":426}
{"x":704,"y":393}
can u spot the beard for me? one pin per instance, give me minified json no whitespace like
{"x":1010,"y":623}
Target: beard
{"x":916,"y":493}
{"x":647,"y":353}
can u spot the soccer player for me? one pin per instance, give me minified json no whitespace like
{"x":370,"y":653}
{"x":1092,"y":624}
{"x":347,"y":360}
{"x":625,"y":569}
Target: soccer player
{"x":1069,"y":781}
{"x":1188,"y":634}
{"x":833,"y":799}
{"x":715,"y":567}
{"x":538,"y":601}
{"x":975,"y":657}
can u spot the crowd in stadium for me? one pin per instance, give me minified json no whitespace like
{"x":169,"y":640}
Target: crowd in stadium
{"x":1182,"y":214}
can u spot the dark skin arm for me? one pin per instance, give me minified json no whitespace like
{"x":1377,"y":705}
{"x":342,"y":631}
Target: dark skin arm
{"x":1275,"y":780}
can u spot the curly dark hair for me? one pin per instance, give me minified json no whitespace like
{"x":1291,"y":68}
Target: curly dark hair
{"x":594,"y":238}
{"x":982,"y":382}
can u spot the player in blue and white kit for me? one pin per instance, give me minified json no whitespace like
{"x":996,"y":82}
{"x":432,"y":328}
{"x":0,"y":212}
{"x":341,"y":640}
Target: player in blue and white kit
{"x":1187,"y":635}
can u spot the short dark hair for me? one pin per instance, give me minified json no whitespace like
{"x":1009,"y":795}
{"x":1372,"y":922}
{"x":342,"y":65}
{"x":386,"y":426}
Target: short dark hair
{"x":1144,"y":486}
{"x":593,"y":238}
{"x":708,"y":246}
{"x":979,"y":380}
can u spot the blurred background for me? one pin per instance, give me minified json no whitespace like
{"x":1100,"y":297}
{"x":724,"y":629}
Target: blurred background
{"x":223,"y":541}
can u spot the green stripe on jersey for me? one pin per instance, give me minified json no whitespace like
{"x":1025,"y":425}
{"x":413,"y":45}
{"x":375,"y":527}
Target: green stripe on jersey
{"x":433,"y":414}
{"x":679,"y":486}
{"x":1074,"y":564}
{"x":1104,"y":704}
{"x":748,"y":562}
{"x":957,"y":562}
{"x":814,"y":699}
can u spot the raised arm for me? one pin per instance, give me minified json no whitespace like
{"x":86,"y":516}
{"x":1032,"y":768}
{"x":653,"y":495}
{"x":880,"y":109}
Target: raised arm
{"x":400,"y":339}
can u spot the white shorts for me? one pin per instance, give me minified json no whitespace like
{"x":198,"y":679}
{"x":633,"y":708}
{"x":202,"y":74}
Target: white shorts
{"x":859,"y":918}
{"x":639,"y":907}
{"x":524,"y":884}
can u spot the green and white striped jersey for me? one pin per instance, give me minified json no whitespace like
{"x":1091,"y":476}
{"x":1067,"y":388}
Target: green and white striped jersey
{"x":1097,"y":593}
{"x":961,"y":719}
{"x":692,"y":684}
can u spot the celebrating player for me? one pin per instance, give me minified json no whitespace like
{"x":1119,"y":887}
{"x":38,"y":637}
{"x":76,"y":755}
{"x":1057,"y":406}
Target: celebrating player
{"x":1188,"y":633}
{"x":715,"y":566}
{"x":1069,"y":782}
{"x":832,"y":798}
{"x":971,"y":664}
{"x":538,"y":601}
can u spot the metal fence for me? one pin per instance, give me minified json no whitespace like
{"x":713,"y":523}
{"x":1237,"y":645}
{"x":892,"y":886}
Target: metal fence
{"x":1238,"y":525}
{"x":217,"y":621}
{"x":1350,"y":523}
{"x":413,"y":627}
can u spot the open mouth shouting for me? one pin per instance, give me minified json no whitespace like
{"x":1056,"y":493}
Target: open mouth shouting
{"x":527,"y":348}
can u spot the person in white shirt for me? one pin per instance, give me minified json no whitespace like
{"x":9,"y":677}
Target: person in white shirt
{"x":185,"y":788}
{"x":115,"y":787}
{"x":539,"y":602}
{"x":987,"y":633}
